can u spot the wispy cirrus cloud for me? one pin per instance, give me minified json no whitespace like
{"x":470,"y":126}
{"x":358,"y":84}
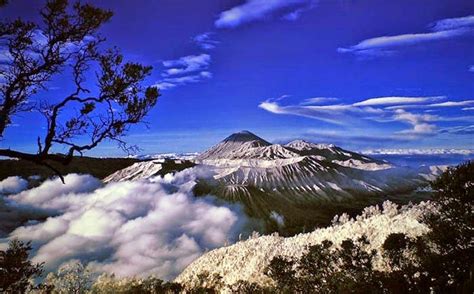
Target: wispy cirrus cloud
{"x":396,"y":100}
{"x":254,"y":10}
{"x":318,"y":100}
{"x":386,"y":45}
{"x":331,"y":113}
{"x":452,"y":103}
{"x":453,"y":23}
{"x":205,"y":41}
{"x":471,"y":68}
{"x":374,"y":110}
{"x":185,"y":70}
{"x":354,"y":139}
{"x":463,"y":130}
{"x":434,"y":105}
{"x":169,"y":83}
{"x":187,"y":64}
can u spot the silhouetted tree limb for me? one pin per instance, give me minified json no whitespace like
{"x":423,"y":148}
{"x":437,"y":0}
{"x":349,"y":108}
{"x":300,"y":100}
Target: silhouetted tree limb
{"x":67,"y":43}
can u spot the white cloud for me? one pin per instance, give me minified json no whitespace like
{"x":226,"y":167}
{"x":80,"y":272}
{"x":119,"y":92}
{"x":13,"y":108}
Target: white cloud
{"x":395,"y":100}
{"x":205,"y":41}
{"x":453,"y":23}
{"x":164,"y":85}
{"x":185,"y":70}
{"x":471,"y":68}
{"x":330,"y":113}
{"x":435,"y":105}
{"x":343,"y":114}
{"x":13,"y":185}
{"x":187,"y":64}
{"x":418,"y":121}
{"x":363,"y":114}
{"x":468,"y":108}
{"x":318,"y":100}
{"x":452,"y":103}
{"x":441,"y":30}
{"x":13,"y":215}
{"x":44,"y":196}
{"x":460,"y":130}
{"x":145,"y":227}
{"x":253,"y":10}
{"x":169,"y":83}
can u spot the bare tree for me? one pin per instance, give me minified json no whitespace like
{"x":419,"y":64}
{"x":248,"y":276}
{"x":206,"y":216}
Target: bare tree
{"x":66,"y":43}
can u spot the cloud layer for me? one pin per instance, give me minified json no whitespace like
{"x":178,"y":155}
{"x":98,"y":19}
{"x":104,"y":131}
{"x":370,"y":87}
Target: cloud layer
{"x":143,"y":227}
{"x":386,"y":45}
{"x":205,"y":41}
{"x":254,"y":10}
{"x":383,"y":110}
{"x":185,"y":70}
{"x":13,"y":185}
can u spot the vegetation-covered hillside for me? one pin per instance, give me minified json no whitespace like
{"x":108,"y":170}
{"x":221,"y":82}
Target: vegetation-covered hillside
{"x":97,"y":167}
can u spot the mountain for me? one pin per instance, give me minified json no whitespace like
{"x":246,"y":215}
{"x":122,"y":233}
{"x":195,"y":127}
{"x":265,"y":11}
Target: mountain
{"x":148,"y":169}
{"x":297,"y":186}
{"x":246,"y":260}
{"x":302,"y":184}
{"x":246,"y":148}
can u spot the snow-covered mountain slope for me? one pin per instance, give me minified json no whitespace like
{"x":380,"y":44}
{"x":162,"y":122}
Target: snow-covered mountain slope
{"x":136,"y":171}
{"x":247,"y":260}
{"x":337,"y":155}
{"x":148,"y":169}
{"x":302,"y":182}
{"x":163,"y":156}
{"x":247,"y":149}
{"x":301,"y":170}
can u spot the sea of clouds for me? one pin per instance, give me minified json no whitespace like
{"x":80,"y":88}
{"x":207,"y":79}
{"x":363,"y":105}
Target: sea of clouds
{"x":133,"y":228}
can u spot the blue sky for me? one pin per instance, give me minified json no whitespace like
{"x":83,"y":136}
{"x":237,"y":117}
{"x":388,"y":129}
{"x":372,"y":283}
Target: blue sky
{"x":361,"y":74}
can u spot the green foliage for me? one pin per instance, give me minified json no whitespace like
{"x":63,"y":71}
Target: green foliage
{"x":15,"y":268}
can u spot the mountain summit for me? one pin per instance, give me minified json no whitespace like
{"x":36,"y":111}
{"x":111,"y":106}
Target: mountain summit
{"x":239,"y":145}
{"x":245,"y":136}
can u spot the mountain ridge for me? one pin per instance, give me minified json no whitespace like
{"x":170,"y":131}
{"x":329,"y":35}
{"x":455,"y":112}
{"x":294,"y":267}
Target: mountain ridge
{"x":305,"y":183}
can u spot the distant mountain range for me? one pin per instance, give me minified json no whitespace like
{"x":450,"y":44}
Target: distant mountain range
{"x":297,"y":186}
{"x":415,"y":151}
